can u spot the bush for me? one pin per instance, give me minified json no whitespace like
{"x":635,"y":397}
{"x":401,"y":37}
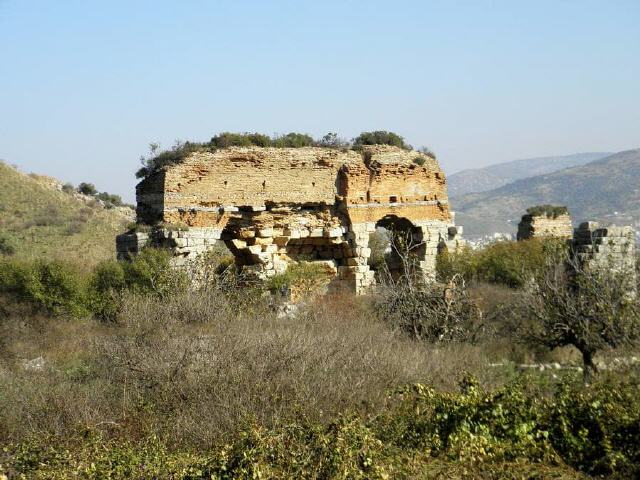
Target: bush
{"x":58,"y":288}
{"x":507,"y":263}
{"x":511,"y":432}
{"x":294,"y":140}
{"x":332,"y":140}
{"x":49,"y":286}
{"x":110,"y":199}
{"x":149,"y":273}
{"x":428,"y":152}
{"x":229,"y":139}
{"x":301,"y":277}
{"x":429,"y":311}
{"x":380,"y":137}
{"x":549,"y":211}
{"x":7,"y":245}
{"x":158,"y":160}
{"x":87,"y":189}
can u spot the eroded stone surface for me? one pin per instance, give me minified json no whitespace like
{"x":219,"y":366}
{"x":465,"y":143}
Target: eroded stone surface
{"x":542,"y":226}
{"x":274,"y":206}
{"x":609,"y":248}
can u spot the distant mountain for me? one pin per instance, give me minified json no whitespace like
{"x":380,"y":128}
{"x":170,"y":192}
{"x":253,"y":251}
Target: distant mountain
{"x":495,"y":176}
{"x":39,"y":219}
{"x":607,"y":189}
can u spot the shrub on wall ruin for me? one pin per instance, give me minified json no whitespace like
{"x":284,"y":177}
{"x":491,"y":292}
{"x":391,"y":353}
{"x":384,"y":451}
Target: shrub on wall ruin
{"x":380,"y":137}
{"x":549,"y":211}
{"x":158,"y":159}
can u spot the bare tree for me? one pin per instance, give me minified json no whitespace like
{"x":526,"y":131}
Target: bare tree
{"x":591,"y":310}
{"x":424,"y":309}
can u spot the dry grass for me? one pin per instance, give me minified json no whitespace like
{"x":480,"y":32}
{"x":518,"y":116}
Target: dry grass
{"x":197,"y":368}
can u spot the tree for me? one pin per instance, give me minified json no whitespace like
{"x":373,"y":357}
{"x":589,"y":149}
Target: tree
{"x":332,"y":140}
{"x":591,"y":310}
{"x":87,"y":189}
{"x":380,"y":137}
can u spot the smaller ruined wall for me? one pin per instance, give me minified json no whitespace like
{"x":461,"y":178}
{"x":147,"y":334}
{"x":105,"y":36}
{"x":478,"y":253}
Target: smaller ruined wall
{"x":542,"y":226}
{"x":605,"y":248}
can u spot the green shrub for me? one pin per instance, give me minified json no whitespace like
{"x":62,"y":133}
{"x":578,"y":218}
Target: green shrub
{"x":50,"y":286}
{"x":87,"y":189}
{"x":110,"y":199}
{"x":549,"y":211}
{"x":419,"y":160}
{"x":7,"y":245}
{"x":156,"y":161}
{"x":150,"y":273}
{"x":298,"y":274}
{"x":428,"y":152}
{"x":229,"y":139}
{"x":380,"y":137}
{"x":293,"y":140}
{"x":475,"y":432}
{"x":507,"y":263}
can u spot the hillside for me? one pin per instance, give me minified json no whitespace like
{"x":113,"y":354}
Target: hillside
{"x":38,"y":219}
{"x":495,"y":176}
{"x":593,"y":191}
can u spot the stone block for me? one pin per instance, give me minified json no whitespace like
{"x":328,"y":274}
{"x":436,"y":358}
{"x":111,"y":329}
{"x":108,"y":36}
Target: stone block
{"x":270,"y":248}
{"x":265,"y":232}
{"x":281,"y":241}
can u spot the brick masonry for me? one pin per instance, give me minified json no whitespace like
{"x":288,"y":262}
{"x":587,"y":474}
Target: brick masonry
{"x":274,"y":206}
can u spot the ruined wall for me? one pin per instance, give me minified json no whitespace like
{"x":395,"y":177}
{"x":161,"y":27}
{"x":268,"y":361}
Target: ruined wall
{"x":273,"y":206}
{"x":605,"y":248}
{"x":542,"y":226}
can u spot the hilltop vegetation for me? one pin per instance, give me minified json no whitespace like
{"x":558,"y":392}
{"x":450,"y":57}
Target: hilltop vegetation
{"x":591,"y":192}
{"x":158,"y":159}
{"x":38,"y":218}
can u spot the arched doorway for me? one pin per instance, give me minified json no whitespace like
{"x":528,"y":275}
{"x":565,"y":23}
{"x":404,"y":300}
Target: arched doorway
{"x":397,"y":248}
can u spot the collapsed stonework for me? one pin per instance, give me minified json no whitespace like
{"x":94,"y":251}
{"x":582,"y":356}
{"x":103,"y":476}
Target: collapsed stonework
{"x":605,"y":248}
{"x":274,"y":206}
{"x":544,"y":226}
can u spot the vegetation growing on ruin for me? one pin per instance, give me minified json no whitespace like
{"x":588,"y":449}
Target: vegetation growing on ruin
{"x":549,"y":211}
{"x":380,"y":137}
{"x":158,"y":159}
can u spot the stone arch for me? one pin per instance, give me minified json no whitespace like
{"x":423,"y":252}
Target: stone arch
{"x":405,"y":248}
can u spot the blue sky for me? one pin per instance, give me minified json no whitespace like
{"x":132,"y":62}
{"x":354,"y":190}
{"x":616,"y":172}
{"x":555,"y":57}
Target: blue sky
{"x":86,"y":85}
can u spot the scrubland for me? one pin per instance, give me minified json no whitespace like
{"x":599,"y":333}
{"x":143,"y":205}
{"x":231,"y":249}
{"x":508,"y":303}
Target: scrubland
{"x":126,"y":373}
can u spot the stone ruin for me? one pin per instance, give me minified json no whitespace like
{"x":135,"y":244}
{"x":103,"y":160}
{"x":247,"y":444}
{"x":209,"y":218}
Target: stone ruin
{"x":544,"y":225}
{"x":591,"y":246}
{"x":274,"y":206}
{"x":605,"y":248}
